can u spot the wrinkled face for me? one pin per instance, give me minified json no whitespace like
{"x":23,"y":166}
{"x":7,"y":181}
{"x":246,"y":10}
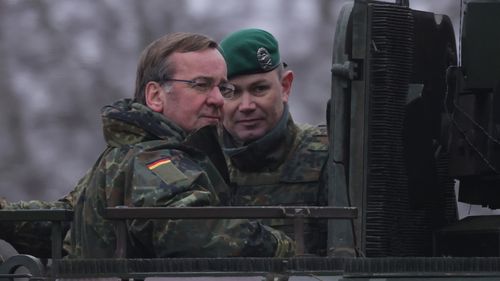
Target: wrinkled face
{"x":187,"y":106}
{"x":257,"y":105}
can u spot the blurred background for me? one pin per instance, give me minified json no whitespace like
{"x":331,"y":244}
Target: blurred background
{"x":62,"y":60}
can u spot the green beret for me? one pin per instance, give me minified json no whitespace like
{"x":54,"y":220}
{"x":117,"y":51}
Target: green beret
{"x":250,"y":51}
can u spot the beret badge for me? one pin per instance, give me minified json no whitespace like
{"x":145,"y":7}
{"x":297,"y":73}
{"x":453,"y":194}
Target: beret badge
{"x":264,"y":58}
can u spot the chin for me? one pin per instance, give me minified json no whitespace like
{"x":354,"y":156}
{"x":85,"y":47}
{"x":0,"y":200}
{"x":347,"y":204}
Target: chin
{"x":250,"y":136}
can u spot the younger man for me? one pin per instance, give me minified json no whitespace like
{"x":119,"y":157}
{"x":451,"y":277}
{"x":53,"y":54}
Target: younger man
{"x":272,"y":160}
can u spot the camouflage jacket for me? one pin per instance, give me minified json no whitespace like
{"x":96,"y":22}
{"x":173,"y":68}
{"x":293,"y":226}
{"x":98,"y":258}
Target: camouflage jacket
{"x":146,"y":164}
{"x":34,"y":238}
{"x":285,"y":167}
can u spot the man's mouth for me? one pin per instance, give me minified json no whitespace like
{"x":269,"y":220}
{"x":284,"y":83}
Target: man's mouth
{"x":248,"y":121}
{"x":212,"y":118}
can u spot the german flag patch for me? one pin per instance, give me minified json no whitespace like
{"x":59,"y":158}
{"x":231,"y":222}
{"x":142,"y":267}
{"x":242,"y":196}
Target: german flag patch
{"x":158,"y":163}
{"x":166,"y":170}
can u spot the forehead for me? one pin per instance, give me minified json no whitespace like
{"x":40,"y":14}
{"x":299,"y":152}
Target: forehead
{"x":249,"y":79}
{"x":205,"y":63}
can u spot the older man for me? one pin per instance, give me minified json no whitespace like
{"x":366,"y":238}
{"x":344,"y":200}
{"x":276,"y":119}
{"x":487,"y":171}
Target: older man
{"x":181,"y":87}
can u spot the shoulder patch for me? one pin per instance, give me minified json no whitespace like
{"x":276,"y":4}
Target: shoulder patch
{"x":166,"y":170}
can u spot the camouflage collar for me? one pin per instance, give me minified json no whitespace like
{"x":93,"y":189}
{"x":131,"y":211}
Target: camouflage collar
{"x":126,"y":122}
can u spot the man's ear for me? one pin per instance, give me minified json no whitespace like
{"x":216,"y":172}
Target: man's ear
{"x":286,"y":84}
{"x":153,"y":94}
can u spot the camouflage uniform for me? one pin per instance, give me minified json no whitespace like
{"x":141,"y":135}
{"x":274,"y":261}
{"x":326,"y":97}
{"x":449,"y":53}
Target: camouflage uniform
{"x":146,"y":165}
{"x":34,"y":238}
{"x":283,"y":168}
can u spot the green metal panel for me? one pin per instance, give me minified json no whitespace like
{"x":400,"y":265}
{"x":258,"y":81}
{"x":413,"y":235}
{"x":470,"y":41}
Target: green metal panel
{"x":481,"y":44}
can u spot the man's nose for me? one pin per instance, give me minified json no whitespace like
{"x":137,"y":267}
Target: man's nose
{"x":246,"y":102}
{"x":215,"y":97}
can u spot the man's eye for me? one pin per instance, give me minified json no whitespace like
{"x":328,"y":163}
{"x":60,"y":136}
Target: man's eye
{"x":238,"y":92}
{"x":260,"y":90}
{"x":202,"y":85}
